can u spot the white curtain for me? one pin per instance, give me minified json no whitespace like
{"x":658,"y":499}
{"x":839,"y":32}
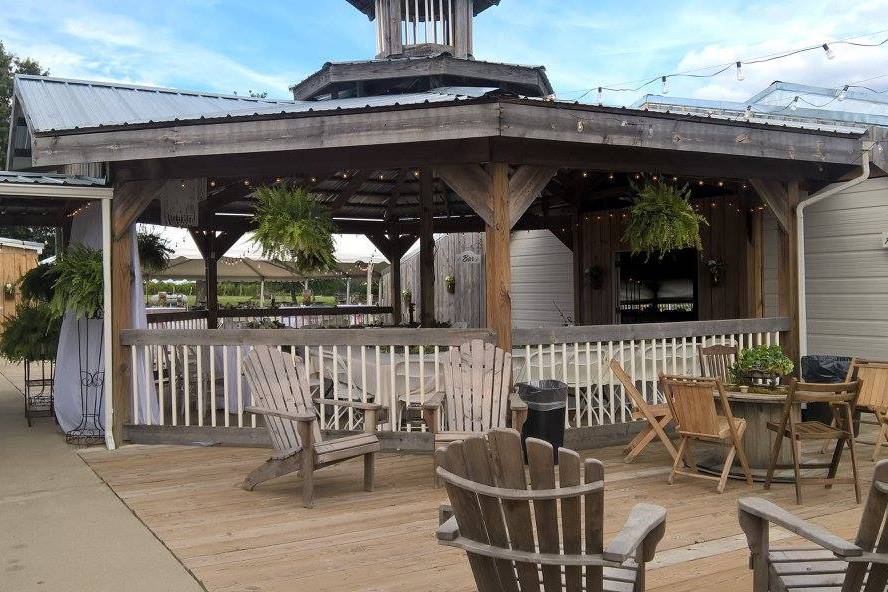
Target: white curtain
{"x":86,"y":343}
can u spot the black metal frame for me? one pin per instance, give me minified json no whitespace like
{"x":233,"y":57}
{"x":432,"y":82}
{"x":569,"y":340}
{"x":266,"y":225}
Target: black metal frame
{"x":91,"y":429}
{"x":39,"y":392}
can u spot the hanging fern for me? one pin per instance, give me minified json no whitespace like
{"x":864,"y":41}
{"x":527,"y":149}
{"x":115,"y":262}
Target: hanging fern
{"x":79,"y":287}
{"x":662,"y":219}
{"x":154,"y":254}
{"x":38,"y":283}
{"x":293,"y":228}
{"x":32,"y":333}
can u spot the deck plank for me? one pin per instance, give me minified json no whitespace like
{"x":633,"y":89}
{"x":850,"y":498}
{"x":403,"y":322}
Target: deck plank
{"x":235,"y":540}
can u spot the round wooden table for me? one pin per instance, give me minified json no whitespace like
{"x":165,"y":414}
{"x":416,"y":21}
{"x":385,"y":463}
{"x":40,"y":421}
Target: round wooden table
{"x":758,"y":441}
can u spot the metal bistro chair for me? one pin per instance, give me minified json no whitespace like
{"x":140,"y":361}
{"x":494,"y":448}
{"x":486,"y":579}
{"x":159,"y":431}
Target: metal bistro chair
{"x":842,"y":398}
{"x":515,"y":531}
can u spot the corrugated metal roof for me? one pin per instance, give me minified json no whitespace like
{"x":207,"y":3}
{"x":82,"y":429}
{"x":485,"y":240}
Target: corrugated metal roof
{"x":53,"y":104}
{"x":49,"y":179}
{"x":368,"y":7}
{"x":64,"y":104}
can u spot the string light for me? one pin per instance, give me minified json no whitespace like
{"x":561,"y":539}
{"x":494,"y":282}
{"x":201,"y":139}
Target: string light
{"x":247,"y":182}
{"x":795,"y":104}
{"x":842,"y":92}
{"x":610,"y":176}
{"x":829,"y":52}
{"x":740,"y":75}
{"x":212,"y":183}
{"x":600,"y":95}
{"x":314,"y":180}
{"x":585,"y":174}
{"x":748,"y":113}
{"x":664,"y":85}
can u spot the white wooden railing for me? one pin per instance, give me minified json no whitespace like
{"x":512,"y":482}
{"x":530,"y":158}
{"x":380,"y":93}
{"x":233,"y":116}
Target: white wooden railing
{"x":195,"y":377}
{"x":295,"y":317}
{"x":580,"y":356}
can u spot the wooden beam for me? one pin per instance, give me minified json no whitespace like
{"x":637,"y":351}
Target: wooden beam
{"x":395,"y":275}
{"x":128,"y":202}
{"x":353,"y":186}
{"x":775,"y":195}
{"x":788,"y":272}
{"x":381,"y":242}
{"x":426,"y":250}
{"x":497,"y":270}
{"x":755,"y":266}
{"x":472,"y":184}
{"x":525,"y":185}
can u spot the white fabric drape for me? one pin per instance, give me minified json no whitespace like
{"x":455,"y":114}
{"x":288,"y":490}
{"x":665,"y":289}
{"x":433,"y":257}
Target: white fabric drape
{"x":86,"y":229}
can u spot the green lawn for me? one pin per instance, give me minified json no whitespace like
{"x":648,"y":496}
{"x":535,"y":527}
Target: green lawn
{"x":280,"y":299}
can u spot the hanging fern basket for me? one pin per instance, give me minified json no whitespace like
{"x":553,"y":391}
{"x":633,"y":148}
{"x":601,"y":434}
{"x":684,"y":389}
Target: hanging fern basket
{"x":294,"y":228}
{"x":662,"y":219}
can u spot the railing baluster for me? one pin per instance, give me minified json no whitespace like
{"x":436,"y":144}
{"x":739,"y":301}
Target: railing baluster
{"x":212,"y":386}
{"x":407,"y":378}
{"x":146,"y":354}
{"x":186,"y":380}
{"x":134,"y":366}
{"x":200,"y":387}
{"x":239,"y":368}
{"x":226,"y":386}
{"x":422,"y":380}
{"x":160,"y":395}
{"x":174,"y":396}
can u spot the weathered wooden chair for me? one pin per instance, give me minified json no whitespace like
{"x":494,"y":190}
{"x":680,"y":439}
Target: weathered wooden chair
{"x":692,"y":401}
{"x":657,"y":417}
{"x":715,"y":360}
{"x":282,"y":395}
{"x":841,"y":397}
{"x":835,"y":565}
{"x":873,"y":397}
{"x":511,"y":531}
{"x":477,"y":394}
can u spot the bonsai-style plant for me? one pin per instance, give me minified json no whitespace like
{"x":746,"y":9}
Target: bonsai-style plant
{"x":450,"y":284}
{"x":154,"y":252}
{"x":31,"y":334}
{"x":38,"y":283}
{"x":762,"y":362}
{"x":293,"y":228}
{"x":79,"y":286}
{"x":662,"y":219}
{"x":716,"y":267}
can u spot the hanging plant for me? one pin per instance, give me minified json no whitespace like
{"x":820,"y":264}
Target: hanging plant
{"x":8,"y":290}
{"x":31,"y":334}
{"x":79,"y":286}
{"x":716,"y":268}
{"x":38,"y":283}
{"x":407,"y":295}
{"x":662,"y":219}
{"x":292,"y":227}
{"x":154,"y":252}
{"x":450,"y":284}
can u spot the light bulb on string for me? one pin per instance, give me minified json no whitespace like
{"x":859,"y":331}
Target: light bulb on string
{"x":748,"y":114}
{"x":829,"y":52}
{"x":740,"y":75}
{"x":600,"y":95}
{"x":664,"y":85}
{"x":842,"y":93}
{"x":795,"y":104}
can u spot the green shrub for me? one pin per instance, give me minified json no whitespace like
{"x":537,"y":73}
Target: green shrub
{"x":32,"y":333}
{"x":79,"y":286}
{"x":39,"y":283}
{"x":762,"y":358}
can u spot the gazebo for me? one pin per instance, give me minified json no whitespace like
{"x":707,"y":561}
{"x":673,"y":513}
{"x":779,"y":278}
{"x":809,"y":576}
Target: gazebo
{"x":423,"y":139}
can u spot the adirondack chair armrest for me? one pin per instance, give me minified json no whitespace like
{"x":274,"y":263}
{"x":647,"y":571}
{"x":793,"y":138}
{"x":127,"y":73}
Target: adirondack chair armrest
{"x":643,"y":520}
{"x":762,"y":509}
{"x":516,"y":403}
{"x":434,"y":401}
{"x":518,"y":409}
{"x":448,"y":531}
{"x":282,"y":414}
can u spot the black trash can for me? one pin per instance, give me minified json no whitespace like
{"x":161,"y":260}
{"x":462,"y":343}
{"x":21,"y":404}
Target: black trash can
{"x":822,"y":368}
{"x":546,"y":405}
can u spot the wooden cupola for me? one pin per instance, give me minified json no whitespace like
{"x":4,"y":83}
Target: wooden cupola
{"x":423,"y":27}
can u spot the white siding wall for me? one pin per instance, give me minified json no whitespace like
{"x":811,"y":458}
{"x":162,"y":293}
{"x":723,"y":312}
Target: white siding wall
{"x":542,"y":279}
{"x":847,"y":272}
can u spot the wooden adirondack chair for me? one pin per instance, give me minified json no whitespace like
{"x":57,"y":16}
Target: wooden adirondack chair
{"x":281,"y":390}
{"x":836,"y":565}
{"x":477,"y":394}
{"x":509,"y":528}
{"x":658,"y":417}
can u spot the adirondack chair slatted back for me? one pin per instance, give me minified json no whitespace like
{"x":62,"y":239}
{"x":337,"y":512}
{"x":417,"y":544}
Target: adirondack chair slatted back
{"x":510,"y":524}
{"x":477,"y":379}
{"x":693,"y":404}
{"x":872,"y":537}
{"x":279,"y":384}
{"x":715,"y":360}
{"x":874,"y":390}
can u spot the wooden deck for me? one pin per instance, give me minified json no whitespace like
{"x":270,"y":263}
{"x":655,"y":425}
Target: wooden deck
{"x":234,"y":540}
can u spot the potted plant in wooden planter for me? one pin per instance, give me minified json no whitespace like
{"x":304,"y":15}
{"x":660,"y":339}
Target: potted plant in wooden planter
{"x":662,"y":219}
{"x":762,"y":365}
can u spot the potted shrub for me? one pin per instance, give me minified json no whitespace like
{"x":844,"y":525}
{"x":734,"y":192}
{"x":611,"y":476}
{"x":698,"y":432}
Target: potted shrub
{"x":662,"y":219}
{"x":450,"y":284}
{"x":761,"y":364}
{"x":154,"y":254}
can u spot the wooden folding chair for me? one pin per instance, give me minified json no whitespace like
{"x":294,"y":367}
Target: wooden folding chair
{"x":715,"y":361}
{"x":692,"y":401}
{"x":873,"y":397}
{"x":658,"y":417}
{"x":842,"y":399}
{"x":834,"y":564}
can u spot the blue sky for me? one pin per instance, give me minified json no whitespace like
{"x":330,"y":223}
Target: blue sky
{"x":264,"y":45}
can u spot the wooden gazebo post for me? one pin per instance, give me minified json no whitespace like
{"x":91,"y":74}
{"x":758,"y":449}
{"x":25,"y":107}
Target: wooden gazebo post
{"x":426,"y":250}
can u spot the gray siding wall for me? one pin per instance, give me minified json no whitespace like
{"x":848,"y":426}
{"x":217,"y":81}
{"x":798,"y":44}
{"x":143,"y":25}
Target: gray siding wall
{"x":847,"y":272}
{"x":542,"y":278}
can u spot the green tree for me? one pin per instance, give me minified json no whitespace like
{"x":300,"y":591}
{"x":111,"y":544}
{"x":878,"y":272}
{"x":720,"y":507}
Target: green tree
{"x":10,"y":65}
